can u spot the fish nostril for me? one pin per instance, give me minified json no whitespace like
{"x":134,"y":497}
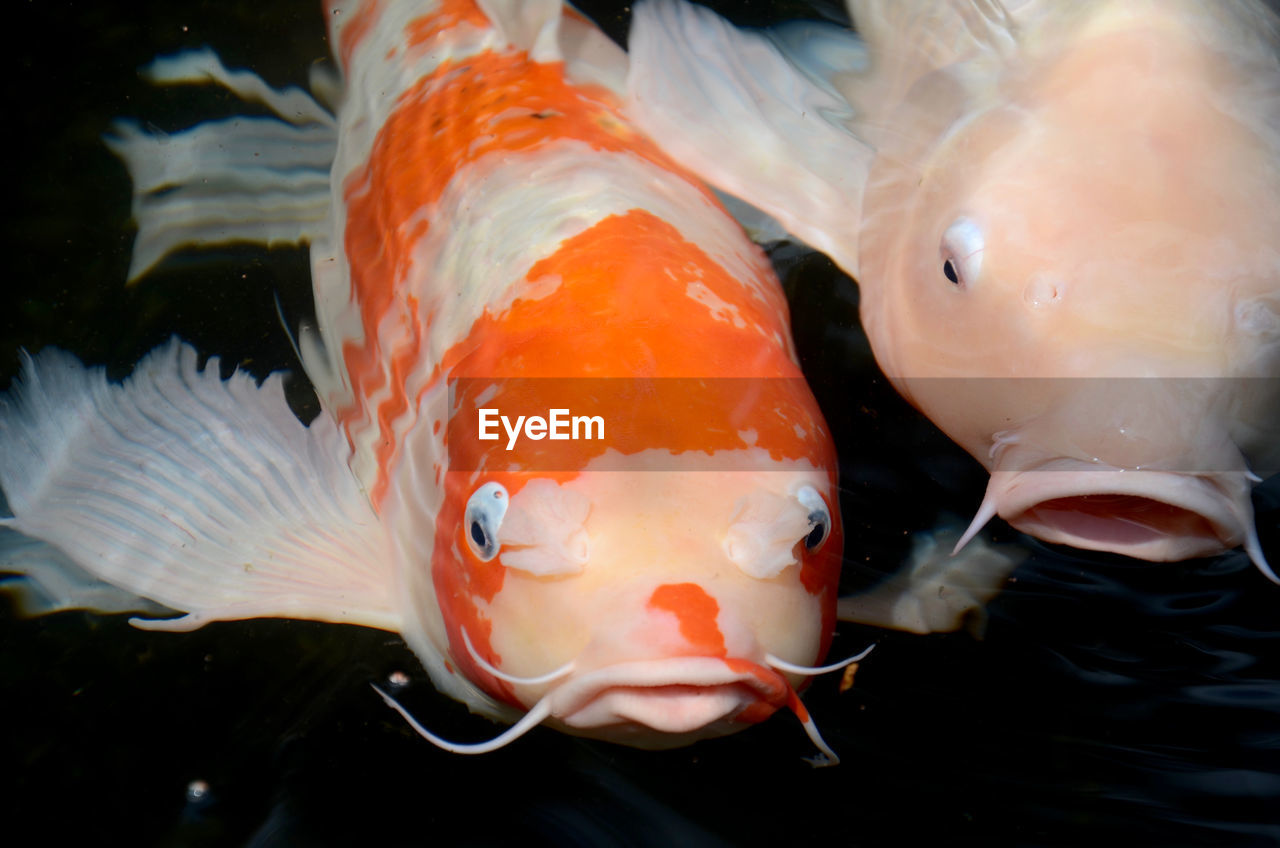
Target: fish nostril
{"x":1043,"y":290}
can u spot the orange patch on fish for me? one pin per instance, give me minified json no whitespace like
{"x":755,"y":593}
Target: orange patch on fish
{"x":492,"y":103}
{"x":613,"y":278}
{"x":696,"y":611}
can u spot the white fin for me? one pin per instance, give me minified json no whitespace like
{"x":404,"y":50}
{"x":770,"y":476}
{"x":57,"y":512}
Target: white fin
{"x":910,"y":38}
{"x":200,"y":66}
{"x":236,"y":180}
{"x":735,"y":109}
{"x":549,"y":32}
{"x":203,"y":495}
{"x":45,"y":580}
{"x":529,"y":25}
{"x":936,"y":590}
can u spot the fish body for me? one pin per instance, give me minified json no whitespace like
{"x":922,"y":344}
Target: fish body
{"x":1062,"y":218}
{"x":491,"y":241}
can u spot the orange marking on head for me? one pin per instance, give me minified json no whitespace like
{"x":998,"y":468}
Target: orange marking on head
{"x":623,"y":289}
{"x":622,"y":311}
{"x":403,"y":361}
{"x":696,"y":611}
{"x":820,"y":570}
{"x":463,"y":586}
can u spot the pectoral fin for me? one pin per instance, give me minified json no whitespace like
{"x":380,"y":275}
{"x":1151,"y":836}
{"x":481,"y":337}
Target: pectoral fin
{"x":201,"y":495}
{"x":937,"y":591}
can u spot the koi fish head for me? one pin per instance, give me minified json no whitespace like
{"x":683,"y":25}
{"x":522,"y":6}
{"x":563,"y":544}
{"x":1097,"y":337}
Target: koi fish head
{"x":638,"y":527}
{"x":1072,"y":271}
{"x":651,"y":608}
{"x":651,"y":581}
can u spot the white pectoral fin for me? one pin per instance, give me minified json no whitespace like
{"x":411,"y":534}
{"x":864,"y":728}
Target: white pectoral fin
{"x":529,"y":25}
{"x":937,"y":591}
{"x":198,"y":494}
{"x":754,"y":115}
{"x":46,"y":580}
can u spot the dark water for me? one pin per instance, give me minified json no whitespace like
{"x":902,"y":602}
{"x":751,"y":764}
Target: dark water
{"x":1110,"y":701}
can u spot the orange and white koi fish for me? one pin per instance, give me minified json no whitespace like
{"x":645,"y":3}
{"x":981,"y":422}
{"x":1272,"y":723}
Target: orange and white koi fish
{"x":1063,"y":220}
{"x":566,"y":450}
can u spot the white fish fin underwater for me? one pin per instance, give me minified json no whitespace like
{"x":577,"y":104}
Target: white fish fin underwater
{"x":45,"y":580}
{"x":753,"y":115}
{"x":937,"y":591}
{"x":529,"y":25}
{"x":546,"y":30}
{"x":242,"y":179}
{"x":206,"y":496}
{"x":910,"y":38}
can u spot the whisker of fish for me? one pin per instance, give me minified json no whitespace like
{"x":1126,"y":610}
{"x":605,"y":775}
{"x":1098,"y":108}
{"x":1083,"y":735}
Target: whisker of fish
{"x":986,"y":512}
{"x":1253,"y":548}
{"x":814,"y":671}
{"x":527,"y":722}
{"x":826,"y":756}
{"x":511,"y":678}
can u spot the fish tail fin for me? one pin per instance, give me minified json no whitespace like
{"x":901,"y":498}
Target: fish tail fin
{"x":178,"y":490}
{"x":241,"y":179}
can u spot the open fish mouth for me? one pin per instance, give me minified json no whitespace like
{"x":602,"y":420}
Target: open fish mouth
{"x":681,"y":697}
{"x":1121,"y":522}
{"x":1160,"y":516}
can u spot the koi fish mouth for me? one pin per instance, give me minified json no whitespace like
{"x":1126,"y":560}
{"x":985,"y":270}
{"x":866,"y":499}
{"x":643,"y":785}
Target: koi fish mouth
{"x":1153,"y":515}
{"x":1122,"y":522}
{"x":684,"y":698}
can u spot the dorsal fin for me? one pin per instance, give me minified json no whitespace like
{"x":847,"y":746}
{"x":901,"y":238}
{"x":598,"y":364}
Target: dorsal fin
{"x":551,"y":32}
{"x":910,"y":39}
{"x":754,"y":116}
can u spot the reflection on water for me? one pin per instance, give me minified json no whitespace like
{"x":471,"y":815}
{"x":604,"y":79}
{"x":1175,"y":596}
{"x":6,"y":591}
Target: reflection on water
{"x":1108,"y":700}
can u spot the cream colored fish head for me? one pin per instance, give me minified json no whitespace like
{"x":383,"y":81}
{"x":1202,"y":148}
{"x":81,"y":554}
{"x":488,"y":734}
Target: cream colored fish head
{"x":1077,"y":274}
{"x":651,"y":608}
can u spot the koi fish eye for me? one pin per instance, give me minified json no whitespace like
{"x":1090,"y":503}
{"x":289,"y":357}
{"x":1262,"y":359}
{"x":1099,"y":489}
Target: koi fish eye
{"x":961,"y":252}
{"x":819,"y":517}
{"x":485,"y":510}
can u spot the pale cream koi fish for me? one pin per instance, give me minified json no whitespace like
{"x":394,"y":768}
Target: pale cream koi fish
{"x":1064,"y":220}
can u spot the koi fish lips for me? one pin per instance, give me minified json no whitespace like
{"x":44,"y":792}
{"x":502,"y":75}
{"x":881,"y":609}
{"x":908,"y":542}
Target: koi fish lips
{"x":670,"y":702}
{"x":1153,"y":515}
